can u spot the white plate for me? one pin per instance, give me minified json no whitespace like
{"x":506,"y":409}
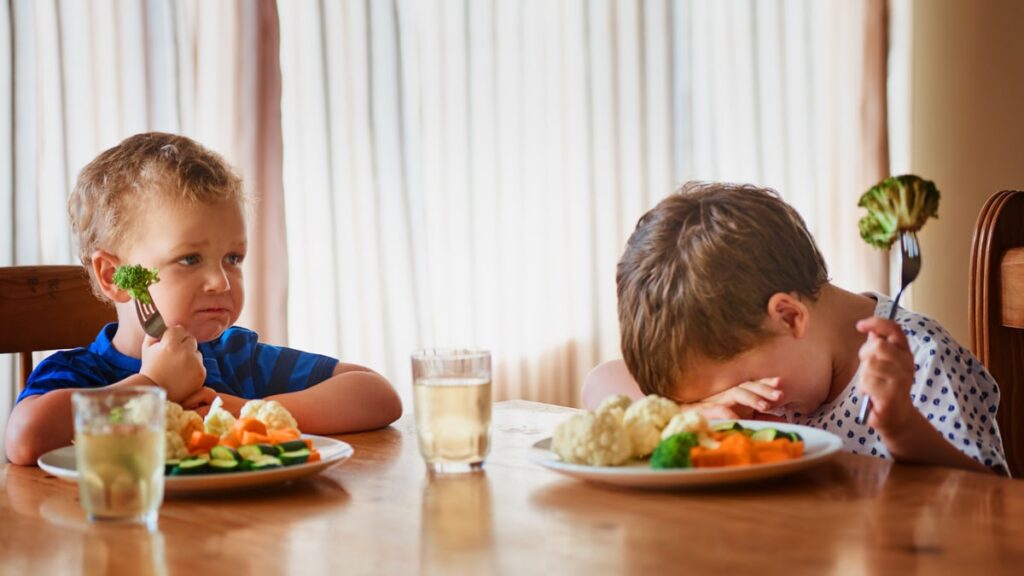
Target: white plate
{"x":819,"y":446}
{"x":61,"y":463}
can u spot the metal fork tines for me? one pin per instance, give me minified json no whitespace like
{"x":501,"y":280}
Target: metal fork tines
{"x":150,"y":318}
{"x":910,"y":265}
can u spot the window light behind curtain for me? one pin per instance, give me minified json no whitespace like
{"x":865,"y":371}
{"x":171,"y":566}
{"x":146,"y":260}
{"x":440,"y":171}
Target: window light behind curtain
{"x":466,"y":173}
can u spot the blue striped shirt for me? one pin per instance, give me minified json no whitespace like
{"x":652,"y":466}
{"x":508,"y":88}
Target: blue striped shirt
{"x":236,"y":364}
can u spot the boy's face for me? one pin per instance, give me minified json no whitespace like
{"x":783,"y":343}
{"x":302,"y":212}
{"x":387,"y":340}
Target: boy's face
{"x":198,"y":250}
{"x":804,"y":374}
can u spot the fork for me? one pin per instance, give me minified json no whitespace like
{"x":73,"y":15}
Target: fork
{"x":150,"y":318}
{"x":910,"y":265}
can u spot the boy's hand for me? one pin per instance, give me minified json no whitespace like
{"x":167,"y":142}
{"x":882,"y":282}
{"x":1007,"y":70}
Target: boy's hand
{"x":200,"y":400}
{"x":886,"y":374}
{"x":174,"y":363}
{"x":740,"y":401}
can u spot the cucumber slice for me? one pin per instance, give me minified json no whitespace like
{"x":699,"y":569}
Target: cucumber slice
{"x":193,"y":465}
{"x":295,"y":456}
{"x":171,"y":465}
{"x":265,"y":463}
{"x":727,"y":427}
{"x":794,"y":437}
{"x":224,"y":453}
{"x":268,"y":449}
{"x":250,"y":451}
{"x":292,"y":445}
{"x":765,"y":435}
{"x":218,"y":465}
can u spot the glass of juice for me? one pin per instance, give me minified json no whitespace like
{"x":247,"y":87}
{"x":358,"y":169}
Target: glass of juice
{"x":119,"y":451}
{"x":452,"y":402}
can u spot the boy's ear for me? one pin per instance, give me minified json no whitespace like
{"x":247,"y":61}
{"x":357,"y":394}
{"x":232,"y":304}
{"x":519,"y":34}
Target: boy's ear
{"x":787,"y":314}
{"x":103,"y":266}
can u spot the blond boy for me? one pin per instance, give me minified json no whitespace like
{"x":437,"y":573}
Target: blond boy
{"x":165,"y":202}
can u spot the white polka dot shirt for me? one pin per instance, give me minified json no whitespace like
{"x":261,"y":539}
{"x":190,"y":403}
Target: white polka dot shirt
{"x":951,"y":388}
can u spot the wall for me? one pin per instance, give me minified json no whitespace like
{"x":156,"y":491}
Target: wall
{"x":966,"y":133}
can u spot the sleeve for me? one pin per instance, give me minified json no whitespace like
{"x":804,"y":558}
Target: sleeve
{"x":956,"y":394}
{"x":278,"y":369}
{"x":58,"y":371}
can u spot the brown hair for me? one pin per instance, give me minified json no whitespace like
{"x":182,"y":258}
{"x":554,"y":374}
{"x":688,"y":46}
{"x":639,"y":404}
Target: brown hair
{"x":111,"y":190}
{"x":697,"y":274}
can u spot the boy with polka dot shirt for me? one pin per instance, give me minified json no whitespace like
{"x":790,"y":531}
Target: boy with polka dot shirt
{"x":725,"y":305}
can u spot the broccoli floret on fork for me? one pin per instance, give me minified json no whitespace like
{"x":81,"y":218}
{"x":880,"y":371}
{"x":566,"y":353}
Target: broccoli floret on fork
{"x":897,"y":204}
{"x":136,"y":279}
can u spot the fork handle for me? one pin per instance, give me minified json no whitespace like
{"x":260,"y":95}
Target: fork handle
{"x":865,"y":400}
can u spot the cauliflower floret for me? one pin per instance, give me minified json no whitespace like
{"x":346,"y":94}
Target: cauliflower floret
{"x":175,"y":446}
{"x":615,"y":401}
{"x":271,"y":413}
{"x":218,"y":420}
{"x":178,"y":427}
{"x":182,"y":421}
{"x":644,"y":421}
{"x":595,"y":438}
{"x":689,"y":421}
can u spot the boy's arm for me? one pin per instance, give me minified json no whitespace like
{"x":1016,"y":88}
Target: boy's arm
{"x":916,"y":441}
{"x":353,"y":399}
{"x":44,"y":422}
{"x":887,"y":373}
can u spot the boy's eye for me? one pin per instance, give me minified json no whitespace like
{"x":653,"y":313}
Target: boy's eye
{"x":190,"y":260}
{"x":234,"y":259}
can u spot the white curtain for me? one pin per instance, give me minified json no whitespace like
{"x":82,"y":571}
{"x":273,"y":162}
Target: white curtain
{"x":81,"y":75}
{"x":466,"y":173}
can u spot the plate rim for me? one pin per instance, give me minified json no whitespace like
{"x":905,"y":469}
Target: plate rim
{"x":337,"y":451}
{"x":646,"y":477}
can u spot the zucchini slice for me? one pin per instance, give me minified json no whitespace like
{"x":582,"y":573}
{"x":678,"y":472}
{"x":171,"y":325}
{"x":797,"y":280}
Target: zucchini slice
{"x":766,"y":435}
{"x":224,"y":453}
{"x":219,"y":465}
{"x":291,"y":446}
{"x":295,"y":456}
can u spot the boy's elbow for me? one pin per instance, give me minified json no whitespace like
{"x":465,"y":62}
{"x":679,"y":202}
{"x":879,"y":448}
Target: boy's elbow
{"x":20,"y":446}
{"x":391,"y":404}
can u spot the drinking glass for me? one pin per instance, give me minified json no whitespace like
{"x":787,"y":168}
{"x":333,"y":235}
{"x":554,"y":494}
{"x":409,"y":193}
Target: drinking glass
{"x":119,"y":452}
{"x":452,"y":402}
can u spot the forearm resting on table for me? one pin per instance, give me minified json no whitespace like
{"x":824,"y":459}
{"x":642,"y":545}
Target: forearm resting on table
{"x":918,"y":442}
{"x":350,"y":401}
{"x":44,"y":422}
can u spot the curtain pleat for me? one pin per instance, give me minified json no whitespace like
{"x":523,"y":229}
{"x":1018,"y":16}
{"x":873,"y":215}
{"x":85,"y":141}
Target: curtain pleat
{"x":466,"y":173}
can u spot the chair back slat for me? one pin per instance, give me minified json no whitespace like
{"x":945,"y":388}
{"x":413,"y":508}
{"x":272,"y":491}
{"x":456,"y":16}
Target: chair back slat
{"x":47,"y":308}
{"x":996,"y":311}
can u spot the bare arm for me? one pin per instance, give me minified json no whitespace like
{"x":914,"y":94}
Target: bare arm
{"x":353,"y":399}
{"x":43,"y":422}
{"x":918,"y":442}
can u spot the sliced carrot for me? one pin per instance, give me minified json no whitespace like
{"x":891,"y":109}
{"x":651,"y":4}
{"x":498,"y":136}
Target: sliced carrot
{"x":230,"y":441}
{"x":255,"y":438}
{"x":733,"y":450}
{"x":283,"y":435}
{"x":202,"y":442}
{"x":243,"y":425}
{"x":314,"y":455}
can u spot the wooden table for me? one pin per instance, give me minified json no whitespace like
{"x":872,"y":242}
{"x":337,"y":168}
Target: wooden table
{"x":380,"y":513}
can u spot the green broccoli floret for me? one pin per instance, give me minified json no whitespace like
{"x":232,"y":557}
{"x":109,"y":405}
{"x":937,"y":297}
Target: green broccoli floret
{"x":896,"y":204}
{"x":136,"y":280}
{"x":674,"y":451}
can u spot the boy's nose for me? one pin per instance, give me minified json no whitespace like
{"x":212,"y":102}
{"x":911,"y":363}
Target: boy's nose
{"x":217,"y":281}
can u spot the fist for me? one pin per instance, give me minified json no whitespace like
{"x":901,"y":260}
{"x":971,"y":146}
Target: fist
{"x":174,"y":363}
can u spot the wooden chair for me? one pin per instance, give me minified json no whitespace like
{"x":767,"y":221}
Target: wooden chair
{"x":47,"y":308}
{"x":996,"y":314}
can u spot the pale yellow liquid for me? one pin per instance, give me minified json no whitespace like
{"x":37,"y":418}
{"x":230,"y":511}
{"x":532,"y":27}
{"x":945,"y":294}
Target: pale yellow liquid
{"x":453,"y":421}
{"x":121,"y":473}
